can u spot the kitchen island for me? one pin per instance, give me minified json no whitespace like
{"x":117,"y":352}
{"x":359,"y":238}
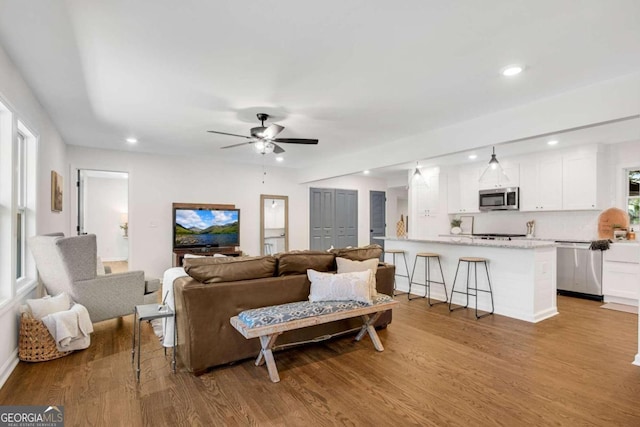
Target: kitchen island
{"x":523,"y":272}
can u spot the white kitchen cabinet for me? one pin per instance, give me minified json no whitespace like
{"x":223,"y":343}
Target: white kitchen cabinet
{"x":512,"y":172}
{"x":462,"y":191}
{"x":579,"y":181}
{"x":425,"y":193}
{"x":621,"y":273}
{"x":541,"y":184}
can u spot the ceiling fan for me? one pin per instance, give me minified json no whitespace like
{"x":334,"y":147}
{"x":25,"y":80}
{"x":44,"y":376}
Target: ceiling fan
{"x":265,"y":137}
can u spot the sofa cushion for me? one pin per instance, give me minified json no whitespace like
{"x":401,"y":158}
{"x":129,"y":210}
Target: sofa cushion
{"x":359,"y":254}
{"x":340,"y":287}
{"x":298,"y":262}
{"x":230,"y":269}
{"x":345,"y":265}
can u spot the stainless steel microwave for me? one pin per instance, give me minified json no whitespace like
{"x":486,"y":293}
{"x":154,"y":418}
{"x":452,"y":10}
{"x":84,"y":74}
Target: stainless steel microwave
{"x":500,"y":199}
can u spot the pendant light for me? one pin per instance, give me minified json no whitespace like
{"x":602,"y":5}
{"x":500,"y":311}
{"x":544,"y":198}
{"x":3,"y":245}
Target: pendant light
{"x":417,"y":175}
{"x":494,"y":172}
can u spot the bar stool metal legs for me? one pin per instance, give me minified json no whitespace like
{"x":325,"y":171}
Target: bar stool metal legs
{"x":427,"y":278}
{"x":475,"y":262}
{"x":395,"y":252}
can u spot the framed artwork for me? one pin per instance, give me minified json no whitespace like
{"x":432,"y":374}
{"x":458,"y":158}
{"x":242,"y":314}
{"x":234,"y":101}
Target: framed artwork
{"x":56,"y":192}
{"x":467,"y":225}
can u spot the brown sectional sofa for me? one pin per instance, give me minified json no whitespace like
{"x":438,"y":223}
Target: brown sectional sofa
{"x":220,"y":288}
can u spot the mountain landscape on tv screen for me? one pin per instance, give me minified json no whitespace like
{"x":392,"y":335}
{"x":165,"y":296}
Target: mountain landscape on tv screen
{"x":206,"y":227}
{"x":214,"y":229}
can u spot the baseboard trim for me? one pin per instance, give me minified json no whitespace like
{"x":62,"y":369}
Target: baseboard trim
{"x":637,"y":360}
{"x":8,"y":367}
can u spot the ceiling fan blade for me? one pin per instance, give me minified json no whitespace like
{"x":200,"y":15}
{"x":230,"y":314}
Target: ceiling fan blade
{"x":272,"y":131}
{"x":238,"y":145}
{"x":296,"y":141}
{"x":277,"y":149}
{"x":230,"y":134}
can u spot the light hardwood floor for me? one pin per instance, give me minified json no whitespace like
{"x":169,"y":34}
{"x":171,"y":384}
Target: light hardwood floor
{"x":437,"y":369}
{"x":117,"y":266}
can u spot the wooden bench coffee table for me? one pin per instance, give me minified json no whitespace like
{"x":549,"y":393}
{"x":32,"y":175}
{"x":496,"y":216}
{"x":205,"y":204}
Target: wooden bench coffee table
{"x":267,"y":323}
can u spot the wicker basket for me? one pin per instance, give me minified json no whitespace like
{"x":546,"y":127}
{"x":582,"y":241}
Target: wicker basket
{"x":36,"y":343}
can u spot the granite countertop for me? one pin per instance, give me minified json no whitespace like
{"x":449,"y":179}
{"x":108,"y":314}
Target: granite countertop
{"x":467,"y":240}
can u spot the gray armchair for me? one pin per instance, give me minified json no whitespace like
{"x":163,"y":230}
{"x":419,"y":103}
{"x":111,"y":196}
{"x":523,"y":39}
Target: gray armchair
{"x":68,"y":264}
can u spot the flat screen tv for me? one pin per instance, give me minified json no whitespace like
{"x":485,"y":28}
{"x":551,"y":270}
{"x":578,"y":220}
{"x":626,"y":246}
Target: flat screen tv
{"x":200,"y":228}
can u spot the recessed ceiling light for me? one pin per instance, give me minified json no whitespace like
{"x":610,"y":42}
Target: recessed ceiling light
{"x":280,"y":159}
{"x":365,"y":172}
{"x":131,"y":140}
{"x":552,"y":142}
{"x":511,"y":70}
{"x":473,"y":156}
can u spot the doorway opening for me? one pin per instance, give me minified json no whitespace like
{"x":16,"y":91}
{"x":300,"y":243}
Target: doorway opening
{"x":103,"y":210}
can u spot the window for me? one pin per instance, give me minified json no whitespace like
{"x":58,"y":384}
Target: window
{"x":25,"y":195}
{"x":633,"y":195}
{"x":17,"y":205}
{"x":21,"y":210}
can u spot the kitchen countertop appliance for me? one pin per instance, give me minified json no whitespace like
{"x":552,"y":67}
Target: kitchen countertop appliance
{"x":579,"y":270}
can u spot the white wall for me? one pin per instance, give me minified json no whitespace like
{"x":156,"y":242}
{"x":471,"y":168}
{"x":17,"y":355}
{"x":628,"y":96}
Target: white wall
{"x":157,"y":181}
{"x":105,"y":201}
{"x":16,"y":94}
{"x":397,"y":204}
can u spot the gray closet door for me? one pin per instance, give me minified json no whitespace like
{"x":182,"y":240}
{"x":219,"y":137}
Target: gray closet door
{"x":377,"y":216}
{"x":321,"y":218}
{"x":346,"y":218}
{"x":333,"y":218}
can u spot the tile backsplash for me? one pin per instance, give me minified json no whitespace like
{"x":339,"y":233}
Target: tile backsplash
{"x":561,"y":225}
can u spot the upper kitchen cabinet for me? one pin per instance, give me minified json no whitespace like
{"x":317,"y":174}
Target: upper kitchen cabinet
{"x":581,"y":188}
{"x":425,"y":193}
{"x":462,"y":191}
{"x":541,"y":184}
{"x":512,"y":179}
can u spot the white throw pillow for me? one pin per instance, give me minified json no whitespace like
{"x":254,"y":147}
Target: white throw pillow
{"x":44,"y":306}
{"x":194,"y":256}
{"x":340,"y":287}
{"x":346,"y":265}
{"x":216,"y":255}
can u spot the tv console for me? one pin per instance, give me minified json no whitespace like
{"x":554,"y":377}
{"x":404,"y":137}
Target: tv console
{"x":178,"y":254}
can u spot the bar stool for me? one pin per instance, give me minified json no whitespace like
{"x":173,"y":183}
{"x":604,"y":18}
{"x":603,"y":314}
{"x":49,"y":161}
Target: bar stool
{"x":395,"y":252}
{"x":268,"y":248}
{"x":475,"y":261}
{"x":427,"y":256}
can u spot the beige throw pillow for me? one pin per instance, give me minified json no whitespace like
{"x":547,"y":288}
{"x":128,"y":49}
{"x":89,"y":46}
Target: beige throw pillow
{"x":340,"y":287}
{"x":42,"y":307}
{"x":346,"y":265}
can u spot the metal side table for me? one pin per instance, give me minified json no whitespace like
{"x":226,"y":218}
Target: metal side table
{"x":150,"y":312}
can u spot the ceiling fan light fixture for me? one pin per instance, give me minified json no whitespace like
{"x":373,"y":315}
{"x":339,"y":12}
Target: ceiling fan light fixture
{"x":264,"y":147}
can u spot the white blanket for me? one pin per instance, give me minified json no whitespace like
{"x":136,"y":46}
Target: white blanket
{"x":71,"y":328}
{"x":168,"y":326}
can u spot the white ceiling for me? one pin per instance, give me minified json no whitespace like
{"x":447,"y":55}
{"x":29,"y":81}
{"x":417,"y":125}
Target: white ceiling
{"x":354,"y":74}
